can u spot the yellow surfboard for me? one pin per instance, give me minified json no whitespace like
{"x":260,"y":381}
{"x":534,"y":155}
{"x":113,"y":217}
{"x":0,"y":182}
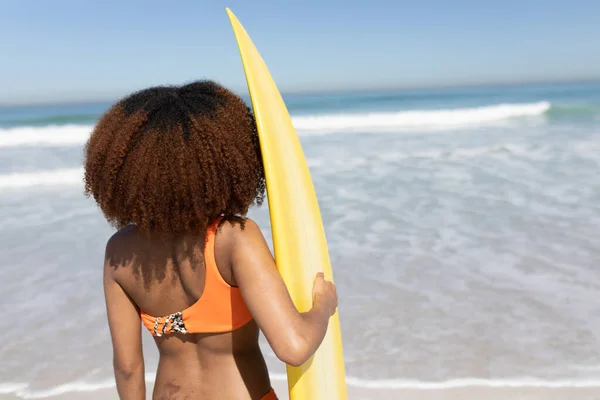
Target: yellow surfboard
{"x":298,"y":236}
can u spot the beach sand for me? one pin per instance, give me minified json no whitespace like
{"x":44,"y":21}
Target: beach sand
{"x":356,"y":393}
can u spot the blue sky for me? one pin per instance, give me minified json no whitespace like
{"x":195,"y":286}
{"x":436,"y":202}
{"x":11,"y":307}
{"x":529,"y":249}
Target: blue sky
{"x":66,"y":50}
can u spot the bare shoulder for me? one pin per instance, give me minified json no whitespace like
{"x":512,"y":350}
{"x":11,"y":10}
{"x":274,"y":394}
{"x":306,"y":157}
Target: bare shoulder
{"x":120,"y":248}
{"x":235,"y":230}
{"x":237,"y":238}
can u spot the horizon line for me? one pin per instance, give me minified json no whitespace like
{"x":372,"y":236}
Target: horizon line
{"x":357,"y":90}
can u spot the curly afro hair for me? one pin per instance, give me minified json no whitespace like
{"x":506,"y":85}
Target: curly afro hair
{"x":170,"y":159}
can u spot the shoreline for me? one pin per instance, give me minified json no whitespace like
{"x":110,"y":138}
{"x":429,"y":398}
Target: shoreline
{"x":357,"y":390}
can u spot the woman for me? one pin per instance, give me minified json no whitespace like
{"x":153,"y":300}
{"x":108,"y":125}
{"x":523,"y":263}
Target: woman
{"x":175,"y":169}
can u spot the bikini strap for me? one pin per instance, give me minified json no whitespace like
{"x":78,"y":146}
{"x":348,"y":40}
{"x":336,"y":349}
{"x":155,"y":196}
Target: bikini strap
{"x":213,"y":275}
{"x":211,"y":231}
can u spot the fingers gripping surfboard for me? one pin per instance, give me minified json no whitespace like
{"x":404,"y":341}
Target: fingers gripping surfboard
{"x":298,"y":235}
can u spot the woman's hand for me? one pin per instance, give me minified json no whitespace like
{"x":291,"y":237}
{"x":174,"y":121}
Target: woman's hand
{"x":325,"y":294}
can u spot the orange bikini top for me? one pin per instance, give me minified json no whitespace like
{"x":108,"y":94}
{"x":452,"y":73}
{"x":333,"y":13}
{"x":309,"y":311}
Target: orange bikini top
{"x":221,"y":307}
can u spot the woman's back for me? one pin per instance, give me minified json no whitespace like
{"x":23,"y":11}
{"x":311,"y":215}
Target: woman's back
{"x":164,"y":276}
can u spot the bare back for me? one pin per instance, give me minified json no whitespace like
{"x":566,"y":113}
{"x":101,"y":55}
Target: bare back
{"x":164,"y":276}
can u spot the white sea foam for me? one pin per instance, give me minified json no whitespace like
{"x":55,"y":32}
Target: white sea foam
{"x":69,"y":176}
{"x":74,"y":176}
{"x":50,"y":136}
{"x":418,"y":119}
{"x":7,"y":388}
{"x":74,"y":135}
{"x":23,"y":391}
{"x":470,"y":382}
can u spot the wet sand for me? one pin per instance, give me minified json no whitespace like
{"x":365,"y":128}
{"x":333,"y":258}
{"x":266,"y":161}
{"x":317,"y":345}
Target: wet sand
{"x":357,"y":393}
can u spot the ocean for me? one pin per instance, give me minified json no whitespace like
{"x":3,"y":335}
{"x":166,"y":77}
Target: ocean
{"x":463,"y":227}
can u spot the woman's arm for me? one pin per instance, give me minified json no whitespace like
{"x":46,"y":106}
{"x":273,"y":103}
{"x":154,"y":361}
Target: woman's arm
{"x":293,"y":336}
{"x":125,"y":330}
